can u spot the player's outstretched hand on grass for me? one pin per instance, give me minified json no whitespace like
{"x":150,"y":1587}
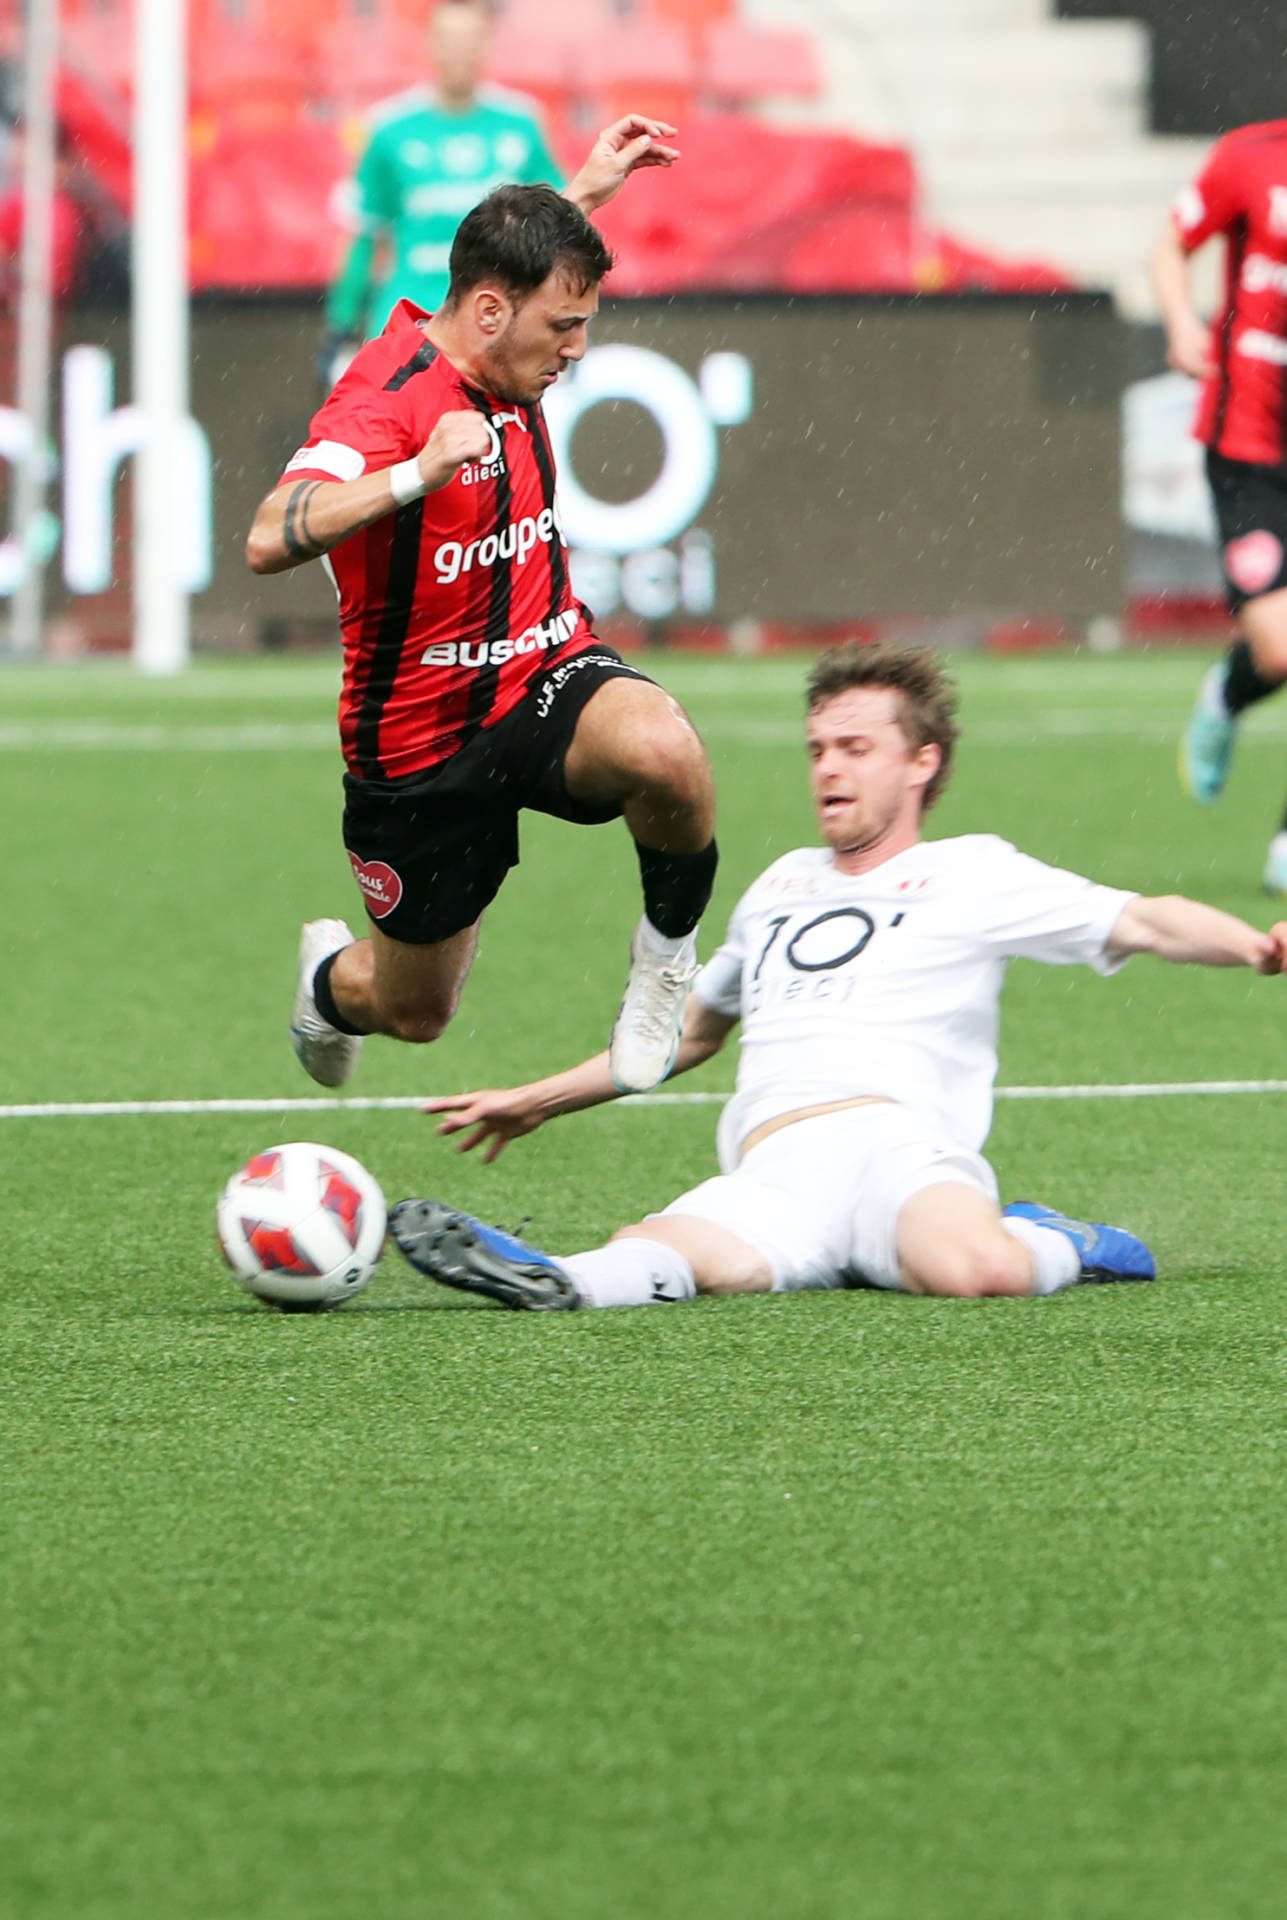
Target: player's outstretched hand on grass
{"x":491,"y":1116}
{"x":631,"y":142}
{"x":1273,"y":958}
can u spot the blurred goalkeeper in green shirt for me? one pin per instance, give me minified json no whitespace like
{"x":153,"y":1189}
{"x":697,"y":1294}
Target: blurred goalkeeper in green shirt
{"x":432,"y":155}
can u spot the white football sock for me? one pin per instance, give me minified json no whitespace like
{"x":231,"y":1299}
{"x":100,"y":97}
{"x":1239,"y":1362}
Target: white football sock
{"x":1211,"y":693}
{"x":661,"y":943}
{"x":630,"y":1273}
{"x":1055,"y":1260}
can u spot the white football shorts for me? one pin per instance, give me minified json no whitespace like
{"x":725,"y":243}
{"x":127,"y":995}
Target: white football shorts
{"x":820,"y":1199}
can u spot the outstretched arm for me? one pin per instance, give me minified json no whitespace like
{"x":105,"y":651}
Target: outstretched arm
{"x":499,"y":1116}
{"x":634,"y":141}
{"x":1187,"y":931}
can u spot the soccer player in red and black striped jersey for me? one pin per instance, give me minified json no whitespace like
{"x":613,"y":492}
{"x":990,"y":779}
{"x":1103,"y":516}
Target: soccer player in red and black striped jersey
{"x":1241,"y":195}
{"x":473,"y":683}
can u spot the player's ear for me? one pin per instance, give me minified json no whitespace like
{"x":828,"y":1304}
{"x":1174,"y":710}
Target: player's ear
{"x":927,"y":760}
{"x":492,"y":311}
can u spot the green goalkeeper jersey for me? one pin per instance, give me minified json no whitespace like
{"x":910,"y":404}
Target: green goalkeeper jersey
{"x":423,"y":169}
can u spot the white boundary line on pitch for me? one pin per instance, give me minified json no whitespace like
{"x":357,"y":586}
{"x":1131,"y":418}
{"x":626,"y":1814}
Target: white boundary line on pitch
{"x":414,"y":1102}
{"x":94,"y":736}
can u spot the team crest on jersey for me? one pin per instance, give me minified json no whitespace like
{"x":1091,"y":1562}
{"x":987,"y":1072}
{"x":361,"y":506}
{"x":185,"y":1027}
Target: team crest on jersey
{"x":1254,"y":562}
{"x":381,"y":886}
{"x":1278,"y":210}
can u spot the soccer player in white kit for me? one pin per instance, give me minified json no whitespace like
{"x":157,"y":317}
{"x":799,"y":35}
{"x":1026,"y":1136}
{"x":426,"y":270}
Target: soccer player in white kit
{"x":866,"y":975}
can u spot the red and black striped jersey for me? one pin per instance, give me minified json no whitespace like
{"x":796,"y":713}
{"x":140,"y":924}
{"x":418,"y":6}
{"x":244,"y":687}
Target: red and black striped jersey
{"x":1242,"y":194}
{"x":452,"y":605}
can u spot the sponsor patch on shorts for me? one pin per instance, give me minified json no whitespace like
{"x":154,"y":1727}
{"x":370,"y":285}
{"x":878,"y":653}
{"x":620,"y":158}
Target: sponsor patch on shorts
{"x":381,"y":886}
{"x":1255,"y":561}
{"x":554,"y":682}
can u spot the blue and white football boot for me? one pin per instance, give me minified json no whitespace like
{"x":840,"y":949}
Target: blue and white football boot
{"x":459,"y":1251}
{"x":1106,"y":1253}
{"x":1206,"y":748}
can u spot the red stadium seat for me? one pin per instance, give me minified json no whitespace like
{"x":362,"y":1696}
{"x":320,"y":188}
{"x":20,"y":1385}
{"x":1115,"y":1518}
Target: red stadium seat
{"x":743,"y":64}
{"x":291,"y":241}
{"x":693,"y":17}
{"x":360,"y":62}
{"x":569,"y":22}
{"x":647,"y":68}
{"x":764,"y":207}
{"x":250,"y":59}
{"x":534,"y":62}
{"x":99,"y":42}
{"x":96,"y":124}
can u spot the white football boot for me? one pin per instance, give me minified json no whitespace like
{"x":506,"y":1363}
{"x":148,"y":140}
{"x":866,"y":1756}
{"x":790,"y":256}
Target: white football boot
{"x":1275,"y":879}
{"x":645,"y":1038}
{"x":324,"y":1052}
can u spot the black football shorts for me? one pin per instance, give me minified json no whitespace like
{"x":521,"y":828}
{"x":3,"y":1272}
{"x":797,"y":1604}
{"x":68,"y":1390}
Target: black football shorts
{"x":1251,"y":508}
{"x":430,"y":850}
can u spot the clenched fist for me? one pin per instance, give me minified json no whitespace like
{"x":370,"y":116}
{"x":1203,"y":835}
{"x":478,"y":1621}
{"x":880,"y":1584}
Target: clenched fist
{"x":458,"y":440}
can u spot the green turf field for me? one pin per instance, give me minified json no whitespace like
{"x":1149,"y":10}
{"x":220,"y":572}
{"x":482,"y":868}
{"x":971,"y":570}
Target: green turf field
{"x":831,"y":1607}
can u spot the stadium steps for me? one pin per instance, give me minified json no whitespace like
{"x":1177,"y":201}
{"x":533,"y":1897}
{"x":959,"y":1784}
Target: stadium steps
{"x":1029,"y":131}
{"x":1105,"y":213}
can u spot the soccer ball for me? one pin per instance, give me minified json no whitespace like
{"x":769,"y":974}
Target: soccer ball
{"x":302,"y":1226}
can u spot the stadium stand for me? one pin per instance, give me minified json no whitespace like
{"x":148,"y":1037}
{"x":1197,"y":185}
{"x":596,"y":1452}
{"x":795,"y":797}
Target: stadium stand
{"x":1215,"y":66}
{"x":644,"y":65}
{"x":742,"y":65}
{"x":1031,"y":132}
{"x":278,"y":88}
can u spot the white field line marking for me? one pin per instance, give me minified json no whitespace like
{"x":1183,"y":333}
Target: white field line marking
{"x":94,"y":736}
{"x":413,"y":1102}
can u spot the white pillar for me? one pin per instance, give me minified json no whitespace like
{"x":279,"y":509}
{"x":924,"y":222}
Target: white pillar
{"x":160,"y":329}
{"x":35,"y":316}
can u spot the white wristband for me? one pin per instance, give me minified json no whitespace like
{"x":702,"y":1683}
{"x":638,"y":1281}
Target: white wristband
{"x":406,"y":482}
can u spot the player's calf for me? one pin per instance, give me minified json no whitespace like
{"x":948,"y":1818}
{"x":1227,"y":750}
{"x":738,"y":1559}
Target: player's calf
{"x":997,"y":1269}
{"x":402,"y":991}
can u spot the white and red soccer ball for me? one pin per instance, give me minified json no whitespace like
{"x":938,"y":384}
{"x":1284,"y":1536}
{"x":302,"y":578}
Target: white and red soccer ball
{"x":302,"y":1226}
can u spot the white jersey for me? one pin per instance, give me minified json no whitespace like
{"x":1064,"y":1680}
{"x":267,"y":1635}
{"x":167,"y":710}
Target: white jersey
{"x":889,"y":982}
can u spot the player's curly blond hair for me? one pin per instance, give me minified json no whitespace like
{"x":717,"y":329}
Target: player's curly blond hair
{"x":927,"y":698}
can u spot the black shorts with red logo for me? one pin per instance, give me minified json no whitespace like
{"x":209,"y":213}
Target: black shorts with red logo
{"x":431,"y":849}
{"x":1251,"y":509}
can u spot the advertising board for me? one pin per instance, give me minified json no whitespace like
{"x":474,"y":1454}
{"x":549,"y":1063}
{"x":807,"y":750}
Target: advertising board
{"x":721,"y":459}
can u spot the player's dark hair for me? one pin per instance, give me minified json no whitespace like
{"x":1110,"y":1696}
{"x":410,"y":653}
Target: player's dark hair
{"x":517,"y":236}
{"x":927,"y":698}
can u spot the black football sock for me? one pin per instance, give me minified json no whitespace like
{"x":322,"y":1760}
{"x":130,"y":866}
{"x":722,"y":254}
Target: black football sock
{"x":1244,"y":683}
{"x":676,"y":887}
{"x":324,"y":999}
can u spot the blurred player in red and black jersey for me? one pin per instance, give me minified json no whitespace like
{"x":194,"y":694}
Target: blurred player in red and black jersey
{"x":473,"y":683}
{"x":1241,"y":194}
